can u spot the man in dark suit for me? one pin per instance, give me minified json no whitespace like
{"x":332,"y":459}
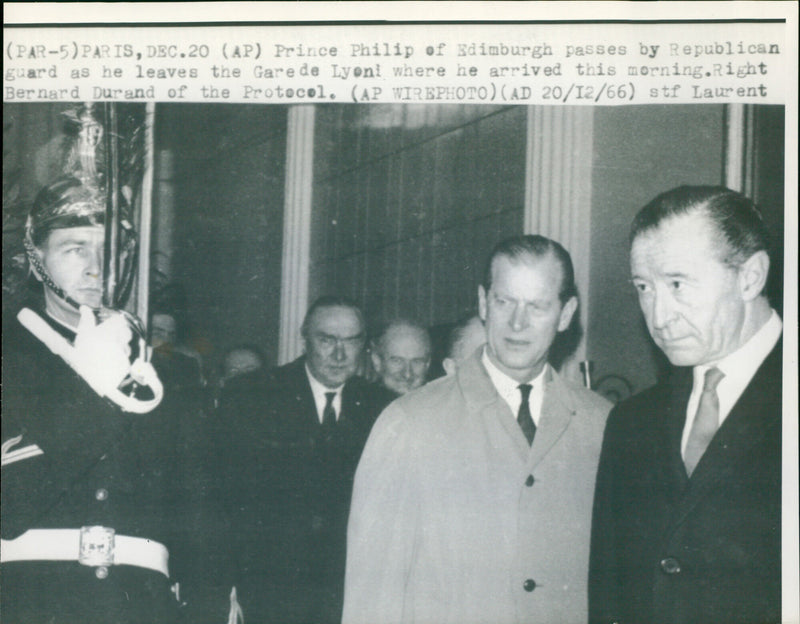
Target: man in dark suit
{"x":687,"y":515}
{"x":299,"y":436}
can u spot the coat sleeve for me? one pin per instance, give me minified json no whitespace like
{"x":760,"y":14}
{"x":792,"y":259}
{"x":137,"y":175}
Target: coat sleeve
{"x":383,"y":523}
{"x":602,"y":560}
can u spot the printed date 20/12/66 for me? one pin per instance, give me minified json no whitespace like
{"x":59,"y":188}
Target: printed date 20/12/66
{"x":606,"y":91}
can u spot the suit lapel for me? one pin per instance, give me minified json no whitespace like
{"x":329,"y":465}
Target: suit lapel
{"x":671,"y":432}
{"x":304,"y":397}
{"x":351,"y":404}
{"x":351,"y":419}
{"x":756,"y":411}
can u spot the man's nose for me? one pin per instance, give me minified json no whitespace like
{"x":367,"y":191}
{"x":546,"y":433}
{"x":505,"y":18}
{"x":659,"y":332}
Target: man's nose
{"x":408,"y":371}
{"x":519,"y":317}
{"x":663,"y":311}
{"x":339,"y":353}
{"x":94,"y":263}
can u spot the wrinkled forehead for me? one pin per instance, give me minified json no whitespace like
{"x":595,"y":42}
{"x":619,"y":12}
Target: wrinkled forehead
{"x":80,"y":234}
{"x":338,"y":321}
{"x":525,"y":267}
{"x":688,"y":238}
{"x":403,"y":338}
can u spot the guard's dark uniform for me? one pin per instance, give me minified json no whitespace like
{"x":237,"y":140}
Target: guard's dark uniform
{"x":98,"y":466}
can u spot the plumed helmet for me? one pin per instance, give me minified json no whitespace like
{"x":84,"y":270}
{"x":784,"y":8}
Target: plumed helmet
{"x":65,"y":203}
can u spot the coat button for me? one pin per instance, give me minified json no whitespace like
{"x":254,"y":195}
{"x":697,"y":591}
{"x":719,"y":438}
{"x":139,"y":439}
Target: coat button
{"x":101,"y":494}
{"x":670,"y":565}
{"x":101,"y":572}
{"x":530,"y":481}
{"x":529,"y":585}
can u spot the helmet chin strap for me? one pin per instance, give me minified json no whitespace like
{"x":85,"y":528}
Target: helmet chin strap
{"x":141,"y":373}
{"x":43,"y":275}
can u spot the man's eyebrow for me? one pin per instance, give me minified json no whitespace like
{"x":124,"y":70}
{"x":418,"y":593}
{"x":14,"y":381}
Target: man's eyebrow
{"x":72,"y":241}
{"x":678,"y":274}
{"x":668,"y":275}
{"x":535,"y":301}
{"x":327,"y":335}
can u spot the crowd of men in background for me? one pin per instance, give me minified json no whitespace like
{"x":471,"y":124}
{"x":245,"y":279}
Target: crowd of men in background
{"x":343,"y":487}
{"x":401,"y":354}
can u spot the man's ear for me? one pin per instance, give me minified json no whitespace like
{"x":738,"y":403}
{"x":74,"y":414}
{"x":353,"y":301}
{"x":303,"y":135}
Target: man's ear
{"x":482,"y":303}
{"x":449,"y":365}
{"x":567,"y":311}
{"x":753,"y":275}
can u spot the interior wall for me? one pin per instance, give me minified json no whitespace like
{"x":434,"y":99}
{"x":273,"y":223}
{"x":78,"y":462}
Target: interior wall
{"x":639,"y":152}
{"x":770,"y":138}
{"x":227,"y":190}
{"x":409,"y":200}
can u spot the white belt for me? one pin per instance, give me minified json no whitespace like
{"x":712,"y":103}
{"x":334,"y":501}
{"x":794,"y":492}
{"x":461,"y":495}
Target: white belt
{"x":94,"y":546}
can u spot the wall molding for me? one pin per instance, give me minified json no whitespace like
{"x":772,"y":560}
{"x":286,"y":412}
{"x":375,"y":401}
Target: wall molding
{"x":740,"y":149}
{"x":296,"y":229}
{"x":558,"y":193}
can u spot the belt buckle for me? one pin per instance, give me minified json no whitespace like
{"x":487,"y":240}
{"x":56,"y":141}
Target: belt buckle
{"x":96,"y":546}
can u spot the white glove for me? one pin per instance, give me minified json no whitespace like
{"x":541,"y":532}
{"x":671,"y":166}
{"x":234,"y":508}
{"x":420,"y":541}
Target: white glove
{"x":101,"y":353}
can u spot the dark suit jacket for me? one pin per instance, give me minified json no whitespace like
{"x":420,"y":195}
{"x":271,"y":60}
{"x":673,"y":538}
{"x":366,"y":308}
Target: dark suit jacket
{"x":290,"y":483}
{"x":705,"y":550}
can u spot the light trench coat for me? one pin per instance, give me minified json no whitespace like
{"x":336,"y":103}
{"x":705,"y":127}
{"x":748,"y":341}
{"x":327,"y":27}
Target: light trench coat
{"x":455,"y":519}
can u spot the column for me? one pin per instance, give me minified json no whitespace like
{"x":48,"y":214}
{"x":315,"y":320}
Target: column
{"x":296,"y":229}
{"x":739,"y":174}
{"x":558,"y":193}
{"x":146,"y":218}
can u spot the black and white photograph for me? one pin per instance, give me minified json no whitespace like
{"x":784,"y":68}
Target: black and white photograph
{"x":400,"y":356}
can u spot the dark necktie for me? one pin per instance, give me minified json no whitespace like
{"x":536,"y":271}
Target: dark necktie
{"x":329,"y":414}
{"x":524,"y":417}
{"x":706,"y":421}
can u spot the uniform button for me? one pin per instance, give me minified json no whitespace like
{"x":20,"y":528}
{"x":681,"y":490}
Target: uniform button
{"x":529,"y":585}
{"x":530,"y":481}
{"x":101,"y":572}
{"x":101,"y":494}
{"x":670,"y":565}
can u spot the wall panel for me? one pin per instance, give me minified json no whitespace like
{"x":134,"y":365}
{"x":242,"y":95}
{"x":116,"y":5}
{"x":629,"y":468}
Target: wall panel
{"x":419,"y":195}
{"x":639,"y":152}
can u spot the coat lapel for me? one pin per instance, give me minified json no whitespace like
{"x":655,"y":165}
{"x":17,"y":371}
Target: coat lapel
{"x":558,"y":409}
{"x":482,"y":398}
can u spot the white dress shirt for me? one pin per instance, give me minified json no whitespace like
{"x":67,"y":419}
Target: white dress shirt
{"x":509,"y":391}
{"x":320,"y":400}
{"x":739,"y":368}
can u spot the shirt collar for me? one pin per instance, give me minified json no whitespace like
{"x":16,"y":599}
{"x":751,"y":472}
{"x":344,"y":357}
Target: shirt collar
{"x":319,"y":390}
{"x":508,"y":388}
{"x":740,"y":366}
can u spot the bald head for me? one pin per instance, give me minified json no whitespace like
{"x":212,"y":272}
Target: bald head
{"x":401,"y":355}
